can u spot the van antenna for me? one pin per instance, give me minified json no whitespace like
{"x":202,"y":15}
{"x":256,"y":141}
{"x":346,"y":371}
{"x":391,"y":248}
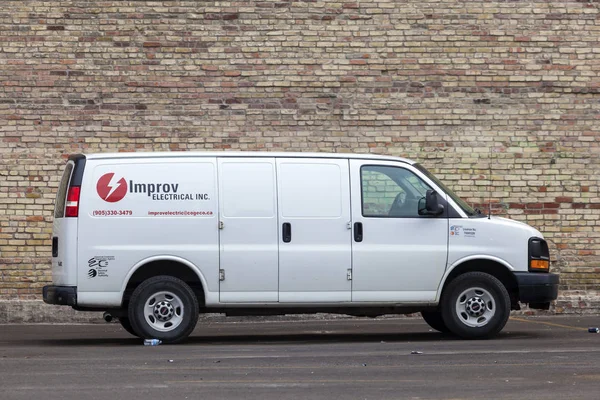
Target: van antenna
{"x":491,"y":186}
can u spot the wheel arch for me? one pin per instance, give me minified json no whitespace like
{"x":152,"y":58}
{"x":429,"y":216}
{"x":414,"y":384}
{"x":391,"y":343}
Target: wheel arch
{"x":164,"y":265}
{"x":494,"y":266}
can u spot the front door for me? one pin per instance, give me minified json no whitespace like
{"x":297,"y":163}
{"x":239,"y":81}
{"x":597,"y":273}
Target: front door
{"x":314,"y":230}
{"x":248,"y":234}
{"x":398,"y":255}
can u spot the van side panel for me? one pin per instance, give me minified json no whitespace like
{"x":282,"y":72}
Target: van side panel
{"x":131,"y":210}
{"x":249,"y":250}
{"x":315,"y":254}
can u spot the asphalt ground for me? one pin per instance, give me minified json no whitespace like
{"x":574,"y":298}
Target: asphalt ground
{"x":533,"y":358}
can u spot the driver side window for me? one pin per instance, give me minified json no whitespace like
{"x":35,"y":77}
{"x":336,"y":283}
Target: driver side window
{"x":391,"y":192}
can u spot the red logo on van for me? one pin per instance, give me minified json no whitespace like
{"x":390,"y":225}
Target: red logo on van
{"x":110,"y":188}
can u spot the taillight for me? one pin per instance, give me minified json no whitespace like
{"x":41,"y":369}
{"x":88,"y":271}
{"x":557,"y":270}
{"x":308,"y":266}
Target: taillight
{"x":72,"y":208}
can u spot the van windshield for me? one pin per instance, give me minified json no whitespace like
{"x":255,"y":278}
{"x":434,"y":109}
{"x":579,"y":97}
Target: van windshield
{"x":460,"y":202}
{"x":61,"y":196}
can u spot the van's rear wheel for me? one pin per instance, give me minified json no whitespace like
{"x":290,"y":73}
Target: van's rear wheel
{"x":475,"y":305}
{"x":434,"y":319}
{"x":126,"y":324}
{"x":165,"y":308}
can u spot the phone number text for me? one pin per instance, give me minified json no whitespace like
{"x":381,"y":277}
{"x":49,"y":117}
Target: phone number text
{"x":109,"y":213}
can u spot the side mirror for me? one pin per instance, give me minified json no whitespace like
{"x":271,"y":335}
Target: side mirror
{"x":432,"y":206}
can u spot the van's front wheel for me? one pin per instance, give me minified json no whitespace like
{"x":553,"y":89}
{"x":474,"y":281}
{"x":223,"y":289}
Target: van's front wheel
{"x":165,"y":308}
{"x":475,"y":305}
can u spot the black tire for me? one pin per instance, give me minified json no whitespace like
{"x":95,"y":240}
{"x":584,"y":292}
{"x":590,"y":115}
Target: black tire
{"x":126,"y":324}
{"x":479,"y":293}
{"x":169,"y":296}
{"x":434,"y":319}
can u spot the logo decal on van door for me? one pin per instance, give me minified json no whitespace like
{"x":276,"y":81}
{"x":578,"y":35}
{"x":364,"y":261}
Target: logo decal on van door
{"x":153,"y":190}
{"x":111,"y":188}
{"x":98,"y":266}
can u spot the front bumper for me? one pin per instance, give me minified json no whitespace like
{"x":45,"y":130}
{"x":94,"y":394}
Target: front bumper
{"x":60,"y":295}
{"x":537,"y":288}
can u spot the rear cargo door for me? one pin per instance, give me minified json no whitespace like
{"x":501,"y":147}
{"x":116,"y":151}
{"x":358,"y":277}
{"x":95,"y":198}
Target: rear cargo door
{"x":64,"y":235}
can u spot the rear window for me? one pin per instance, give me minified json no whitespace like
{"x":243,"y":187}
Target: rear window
{"x":61,"y":196}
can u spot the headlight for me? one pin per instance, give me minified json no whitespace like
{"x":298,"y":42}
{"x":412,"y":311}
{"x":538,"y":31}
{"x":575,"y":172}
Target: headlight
{"x":539,"y":255}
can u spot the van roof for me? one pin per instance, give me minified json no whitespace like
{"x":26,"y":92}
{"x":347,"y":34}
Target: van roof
{"x":177,"y":154}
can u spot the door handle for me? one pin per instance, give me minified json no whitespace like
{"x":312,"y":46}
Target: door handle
{"x":287,"y":232}
{"x":358,"y":232}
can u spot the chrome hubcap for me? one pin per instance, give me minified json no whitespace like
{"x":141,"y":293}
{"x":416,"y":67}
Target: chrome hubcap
{"x":164,"y":311}
{"x":475,"y":307}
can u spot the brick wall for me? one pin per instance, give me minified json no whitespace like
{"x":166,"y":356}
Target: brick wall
{"x":440,"y":81}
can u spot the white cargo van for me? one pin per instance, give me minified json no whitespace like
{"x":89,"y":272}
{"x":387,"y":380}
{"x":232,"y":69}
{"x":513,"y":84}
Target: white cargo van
{"x":157,"y":238}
